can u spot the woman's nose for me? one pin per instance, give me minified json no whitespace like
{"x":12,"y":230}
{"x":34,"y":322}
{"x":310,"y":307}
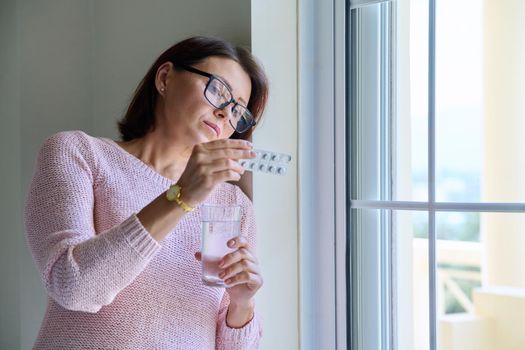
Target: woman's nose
{"x":223,"y":113}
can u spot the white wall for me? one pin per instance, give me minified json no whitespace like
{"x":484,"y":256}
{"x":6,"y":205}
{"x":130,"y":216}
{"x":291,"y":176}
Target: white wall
{"x":274,"y":41}
{"x":73,"y":64}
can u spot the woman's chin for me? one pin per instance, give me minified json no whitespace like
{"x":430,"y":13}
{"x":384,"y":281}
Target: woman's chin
{"x":208,"y":135}
{"x":204,"y":137}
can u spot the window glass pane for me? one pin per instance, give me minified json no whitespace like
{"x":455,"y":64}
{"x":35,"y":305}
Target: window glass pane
{"x":389,"y":291}
{"x":479,"y":102}
{"x":411,"y":265}
{"x":481,"y":280}
{"x":459,"y":100}
{"x":411,"y":151}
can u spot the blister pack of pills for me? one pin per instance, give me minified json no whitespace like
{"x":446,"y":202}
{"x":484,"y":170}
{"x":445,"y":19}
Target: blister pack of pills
{"x":267,"y":162}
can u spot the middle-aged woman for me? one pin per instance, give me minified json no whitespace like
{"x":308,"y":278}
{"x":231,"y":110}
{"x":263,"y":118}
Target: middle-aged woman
{"x":118,"y":256}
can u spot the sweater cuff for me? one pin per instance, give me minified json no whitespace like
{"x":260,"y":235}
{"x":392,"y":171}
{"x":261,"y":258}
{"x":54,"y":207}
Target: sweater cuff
{"x":247,"y":337}
{"x":139,"y":238}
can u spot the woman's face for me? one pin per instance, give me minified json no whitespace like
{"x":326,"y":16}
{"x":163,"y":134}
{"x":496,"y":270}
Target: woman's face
{"x":183,"y":111}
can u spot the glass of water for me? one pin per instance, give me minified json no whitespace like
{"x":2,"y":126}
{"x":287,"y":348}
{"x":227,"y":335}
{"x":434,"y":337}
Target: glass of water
{"x":219,"y":225}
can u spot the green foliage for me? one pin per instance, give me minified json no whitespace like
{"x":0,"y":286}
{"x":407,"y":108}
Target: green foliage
{"x":452,"y":306}
{"x":466,"y":230}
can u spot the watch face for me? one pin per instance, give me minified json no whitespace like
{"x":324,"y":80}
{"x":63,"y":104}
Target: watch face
{"x":173,"y":192}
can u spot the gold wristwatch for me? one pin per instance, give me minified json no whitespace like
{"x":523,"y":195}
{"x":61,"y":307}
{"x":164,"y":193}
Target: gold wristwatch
{"x":173,"y":195}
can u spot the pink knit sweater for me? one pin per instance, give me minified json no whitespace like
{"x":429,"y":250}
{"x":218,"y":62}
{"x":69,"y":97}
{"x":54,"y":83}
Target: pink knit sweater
{"x":110,"y":284}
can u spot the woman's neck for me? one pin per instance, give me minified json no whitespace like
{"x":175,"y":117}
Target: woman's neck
{"x":166,"y":157}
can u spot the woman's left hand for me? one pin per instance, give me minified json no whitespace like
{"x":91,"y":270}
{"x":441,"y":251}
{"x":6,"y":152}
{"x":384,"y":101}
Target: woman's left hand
{"x":240,"y":271}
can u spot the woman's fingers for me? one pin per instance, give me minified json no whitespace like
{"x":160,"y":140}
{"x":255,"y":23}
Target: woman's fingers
{"x":239,"y":267}
{"x":210,"y":164}
{"x":238,"y":242}
{"x":252,"y":280}
{"x":231,"y":153}
{"x":222,"y":165}
{"x":241,"y":243}
{"x":204,"y":164}
{"x":228,"y":143}
{"x":243,"y":253}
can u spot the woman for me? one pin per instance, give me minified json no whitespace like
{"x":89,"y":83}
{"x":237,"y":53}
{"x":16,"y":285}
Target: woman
{"x":117,"y":254}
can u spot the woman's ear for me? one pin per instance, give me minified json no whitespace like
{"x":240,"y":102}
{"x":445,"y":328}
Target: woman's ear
{"x":161,"y":78}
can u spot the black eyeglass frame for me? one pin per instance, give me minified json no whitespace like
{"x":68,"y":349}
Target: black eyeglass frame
{"x":250,"y":123}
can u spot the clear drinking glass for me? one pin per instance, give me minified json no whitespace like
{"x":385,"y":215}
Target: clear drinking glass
{"x":219,"y":225}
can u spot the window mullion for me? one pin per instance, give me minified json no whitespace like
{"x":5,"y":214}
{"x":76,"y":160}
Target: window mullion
{"x":439,"y":206}
{"x":341,"y":248}
{"x":431,"y":174}
{"x":386,"y":171}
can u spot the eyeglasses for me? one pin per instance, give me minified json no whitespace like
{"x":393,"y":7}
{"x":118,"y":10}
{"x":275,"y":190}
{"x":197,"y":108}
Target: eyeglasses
{"x":219,"y":95}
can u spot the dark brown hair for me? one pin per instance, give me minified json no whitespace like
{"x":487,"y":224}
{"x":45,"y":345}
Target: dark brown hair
{"x":140,"y":116}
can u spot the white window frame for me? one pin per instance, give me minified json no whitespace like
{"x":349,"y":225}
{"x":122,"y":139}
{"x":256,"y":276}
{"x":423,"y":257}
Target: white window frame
{"x":322,"y":188}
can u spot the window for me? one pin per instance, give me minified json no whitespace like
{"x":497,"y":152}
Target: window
{"x":436,"y":181}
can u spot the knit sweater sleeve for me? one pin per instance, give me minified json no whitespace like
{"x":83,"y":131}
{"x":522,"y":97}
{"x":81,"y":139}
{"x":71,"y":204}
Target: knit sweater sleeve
{"x":81,"y":269}
{"x":249,"y":336}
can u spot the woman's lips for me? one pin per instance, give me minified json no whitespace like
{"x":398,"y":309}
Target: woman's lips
{"x":215,"y":127}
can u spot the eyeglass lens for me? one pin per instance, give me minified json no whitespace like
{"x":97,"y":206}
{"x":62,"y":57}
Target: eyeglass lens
{"x":218,"y":94}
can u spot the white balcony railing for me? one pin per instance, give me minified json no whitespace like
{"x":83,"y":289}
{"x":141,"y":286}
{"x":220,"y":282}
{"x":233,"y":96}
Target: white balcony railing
{"x":457,"y":260}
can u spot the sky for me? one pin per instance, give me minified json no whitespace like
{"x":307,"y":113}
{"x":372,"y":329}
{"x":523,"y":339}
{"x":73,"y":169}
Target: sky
{"x":459,"y":84}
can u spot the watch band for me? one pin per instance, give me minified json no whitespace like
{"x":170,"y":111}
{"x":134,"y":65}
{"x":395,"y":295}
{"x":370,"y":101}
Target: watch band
{"x":173,"y":194}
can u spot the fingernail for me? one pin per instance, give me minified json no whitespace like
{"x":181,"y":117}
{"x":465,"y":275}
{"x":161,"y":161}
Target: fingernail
{"x":231,"y":243}
{"x":221,"y":264}
{"x":222,"y":274}
{"x":228,"y":281}
{"x":252,"y":153}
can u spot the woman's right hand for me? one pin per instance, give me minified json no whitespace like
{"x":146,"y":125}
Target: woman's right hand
{"x":210,"y":164}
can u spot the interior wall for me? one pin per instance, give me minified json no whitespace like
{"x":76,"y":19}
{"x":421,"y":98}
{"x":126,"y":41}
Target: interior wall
{"x":68,"y":65}
{"x":10,"y":207}
{"x":274,"y":41}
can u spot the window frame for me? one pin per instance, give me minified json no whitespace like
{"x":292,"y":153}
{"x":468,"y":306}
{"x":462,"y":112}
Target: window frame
{"x":327,"y":269}
{"x":322,"y":185}
{"x":431,"y":206}
{"x":369,"y":254}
